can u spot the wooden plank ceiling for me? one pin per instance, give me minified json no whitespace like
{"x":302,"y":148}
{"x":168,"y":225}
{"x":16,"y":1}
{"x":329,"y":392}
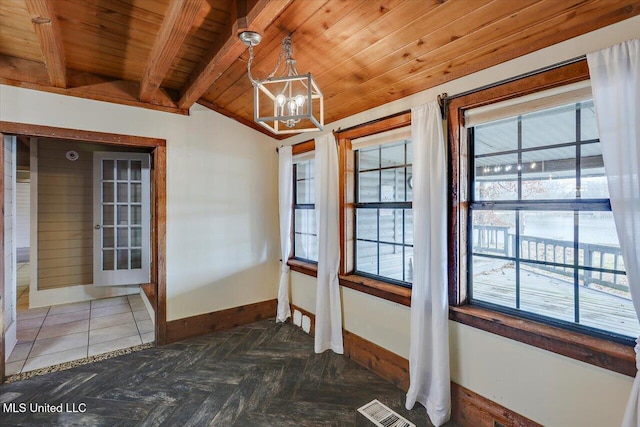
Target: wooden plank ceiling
{"x":169,"y":54}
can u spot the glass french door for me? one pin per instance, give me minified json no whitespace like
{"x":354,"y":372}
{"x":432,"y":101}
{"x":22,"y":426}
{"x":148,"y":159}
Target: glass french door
{"x":122,"y":218}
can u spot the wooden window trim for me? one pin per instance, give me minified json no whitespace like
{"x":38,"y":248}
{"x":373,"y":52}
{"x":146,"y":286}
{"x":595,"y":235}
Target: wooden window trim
{"x":366,"y":285}
{"x":595,"y":351}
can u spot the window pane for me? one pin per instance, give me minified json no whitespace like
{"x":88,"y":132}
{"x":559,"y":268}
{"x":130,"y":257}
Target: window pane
{"x":392,"y":155}
{"x":546,"y":294}
{"x":409,"y":184}
{"x":369,"y":158}
{"x":600,"y":248}
{"x":547,"y":236}
{"x":496,"y":178}
{"x":306,"y":240}
{"x":552,"y":126}
{"x":391,"y":225}
{"x":496,"y":137}
{"x":549,"y":174}
{"x":588,"y":125}
{"x":391,"y":261}
{"x":408,"y":264}
{"x":593,"y":182}
{"x":408,"y":226}
{"x":393,"y":185}
{"x":305,"y":182}
{"x":367,"y":257}
{"x":606,"y":308}
{"x":367,"y":224}
{"x":493,"y":232}
{"x":494,"y":281}
{"x":369,"y":186}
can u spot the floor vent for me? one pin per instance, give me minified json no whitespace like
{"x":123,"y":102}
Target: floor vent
{"x":377,"y":414}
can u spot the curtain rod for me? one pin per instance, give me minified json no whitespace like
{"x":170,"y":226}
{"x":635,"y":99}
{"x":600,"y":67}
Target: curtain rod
{"x":518,"y":77}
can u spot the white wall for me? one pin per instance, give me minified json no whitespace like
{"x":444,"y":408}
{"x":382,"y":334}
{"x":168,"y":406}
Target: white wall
{"x":548,"y":388}
{"x":222,"y":238}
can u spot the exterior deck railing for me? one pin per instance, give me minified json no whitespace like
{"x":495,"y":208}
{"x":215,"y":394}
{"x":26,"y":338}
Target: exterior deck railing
{"x":604,"y":264}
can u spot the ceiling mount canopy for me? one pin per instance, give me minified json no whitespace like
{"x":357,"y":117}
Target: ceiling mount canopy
{"x":289,"y":103}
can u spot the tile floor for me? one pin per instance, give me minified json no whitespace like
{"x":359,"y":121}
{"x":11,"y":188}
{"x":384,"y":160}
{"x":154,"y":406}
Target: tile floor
{"x":62,"y":333}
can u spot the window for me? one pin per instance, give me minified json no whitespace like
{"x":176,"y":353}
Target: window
{"x":383,"y":216}
{"x":305,"y":243}
{"x":542,"y":243}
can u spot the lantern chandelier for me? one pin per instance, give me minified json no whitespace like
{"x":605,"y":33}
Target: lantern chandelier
{"x":289,"y":103}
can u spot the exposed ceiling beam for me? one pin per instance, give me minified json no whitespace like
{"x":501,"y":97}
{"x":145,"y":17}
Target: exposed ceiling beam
{"x":33,"y":75}
{"x":229,"y":48}
{"x":45,"y":22}
{"x":176,"y":25}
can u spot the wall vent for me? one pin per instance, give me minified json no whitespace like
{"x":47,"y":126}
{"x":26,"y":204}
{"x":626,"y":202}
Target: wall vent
{"x":377,"y":414}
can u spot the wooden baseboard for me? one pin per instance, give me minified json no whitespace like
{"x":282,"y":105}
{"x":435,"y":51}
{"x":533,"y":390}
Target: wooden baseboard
{"x":468,"y":409}
{"x":220,"y":320}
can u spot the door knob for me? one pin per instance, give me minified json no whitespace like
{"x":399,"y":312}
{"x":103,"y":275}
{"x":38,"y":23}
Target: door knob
{"x":97,"y":226}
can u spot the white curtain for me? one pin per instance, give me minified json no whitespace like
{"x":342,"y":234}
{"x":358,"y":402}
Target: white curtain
{"x":429,"y":349}
{"x":615,"y":80}
{"x":285,"y":200}
{"x":328,"y":333}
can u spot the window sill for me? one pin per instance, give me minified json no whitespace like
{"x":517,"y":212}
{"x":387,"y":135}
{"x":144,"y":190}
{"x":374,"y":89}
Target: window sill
{"x":365,"y":285}
{"x":595,"y":351}
{"x":303,"y":267}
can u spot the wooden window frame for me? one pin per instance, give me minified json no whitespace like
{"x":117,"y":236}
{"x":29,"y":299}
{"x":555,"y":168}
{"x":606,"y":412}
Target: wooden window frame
{"x":347,"y":278}
{"x":596,"y":351}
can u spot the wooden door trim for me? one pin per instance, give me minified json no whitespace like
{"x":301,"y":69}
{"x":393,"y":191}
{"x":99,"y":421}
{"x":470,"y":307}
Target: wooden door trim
{"x":157,"y":148}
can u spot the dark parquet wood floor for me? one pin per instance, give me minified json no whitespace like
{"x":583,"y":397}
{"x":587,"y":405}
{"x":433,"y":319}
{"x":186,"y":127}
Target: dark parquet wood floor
{"x":263,"y":374}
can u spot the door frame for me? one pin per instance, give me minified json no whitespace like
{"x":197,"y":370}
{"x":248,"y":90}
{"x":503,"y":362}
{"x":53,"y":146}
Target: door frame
{"x":156,"y":290}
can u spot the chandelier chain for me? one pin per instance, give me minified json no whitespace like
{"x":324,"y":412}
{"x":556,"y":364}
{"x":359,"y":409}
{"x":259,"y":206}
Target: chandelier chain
{"x":285,"y":52}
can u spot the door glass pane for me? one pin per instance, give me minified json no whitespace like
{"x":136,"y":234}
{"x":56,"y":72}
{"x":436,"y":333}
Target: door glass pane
{"x":107,"y":192}
{"x":136,"y":170}
{"x":123,"y":237}
{"x":123,"y":170}
{"x":123,"y":215}
{"x":123,"y":192}
{"x":136,"y":236}
{"x":107,"y":169}
{"x":107,"y":259}
{"x":136,"y":193}
{"x":136,"y":258}
{"x":107,"y":237}
{"x":107,"y":214}
{"x":123,"y":259}
{"x":136,"y":214}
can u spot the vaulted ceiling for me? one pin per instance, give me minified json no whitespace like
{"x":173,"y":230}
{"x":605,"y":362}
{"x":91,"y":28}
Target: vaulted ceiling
{"x":169,"y":54}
